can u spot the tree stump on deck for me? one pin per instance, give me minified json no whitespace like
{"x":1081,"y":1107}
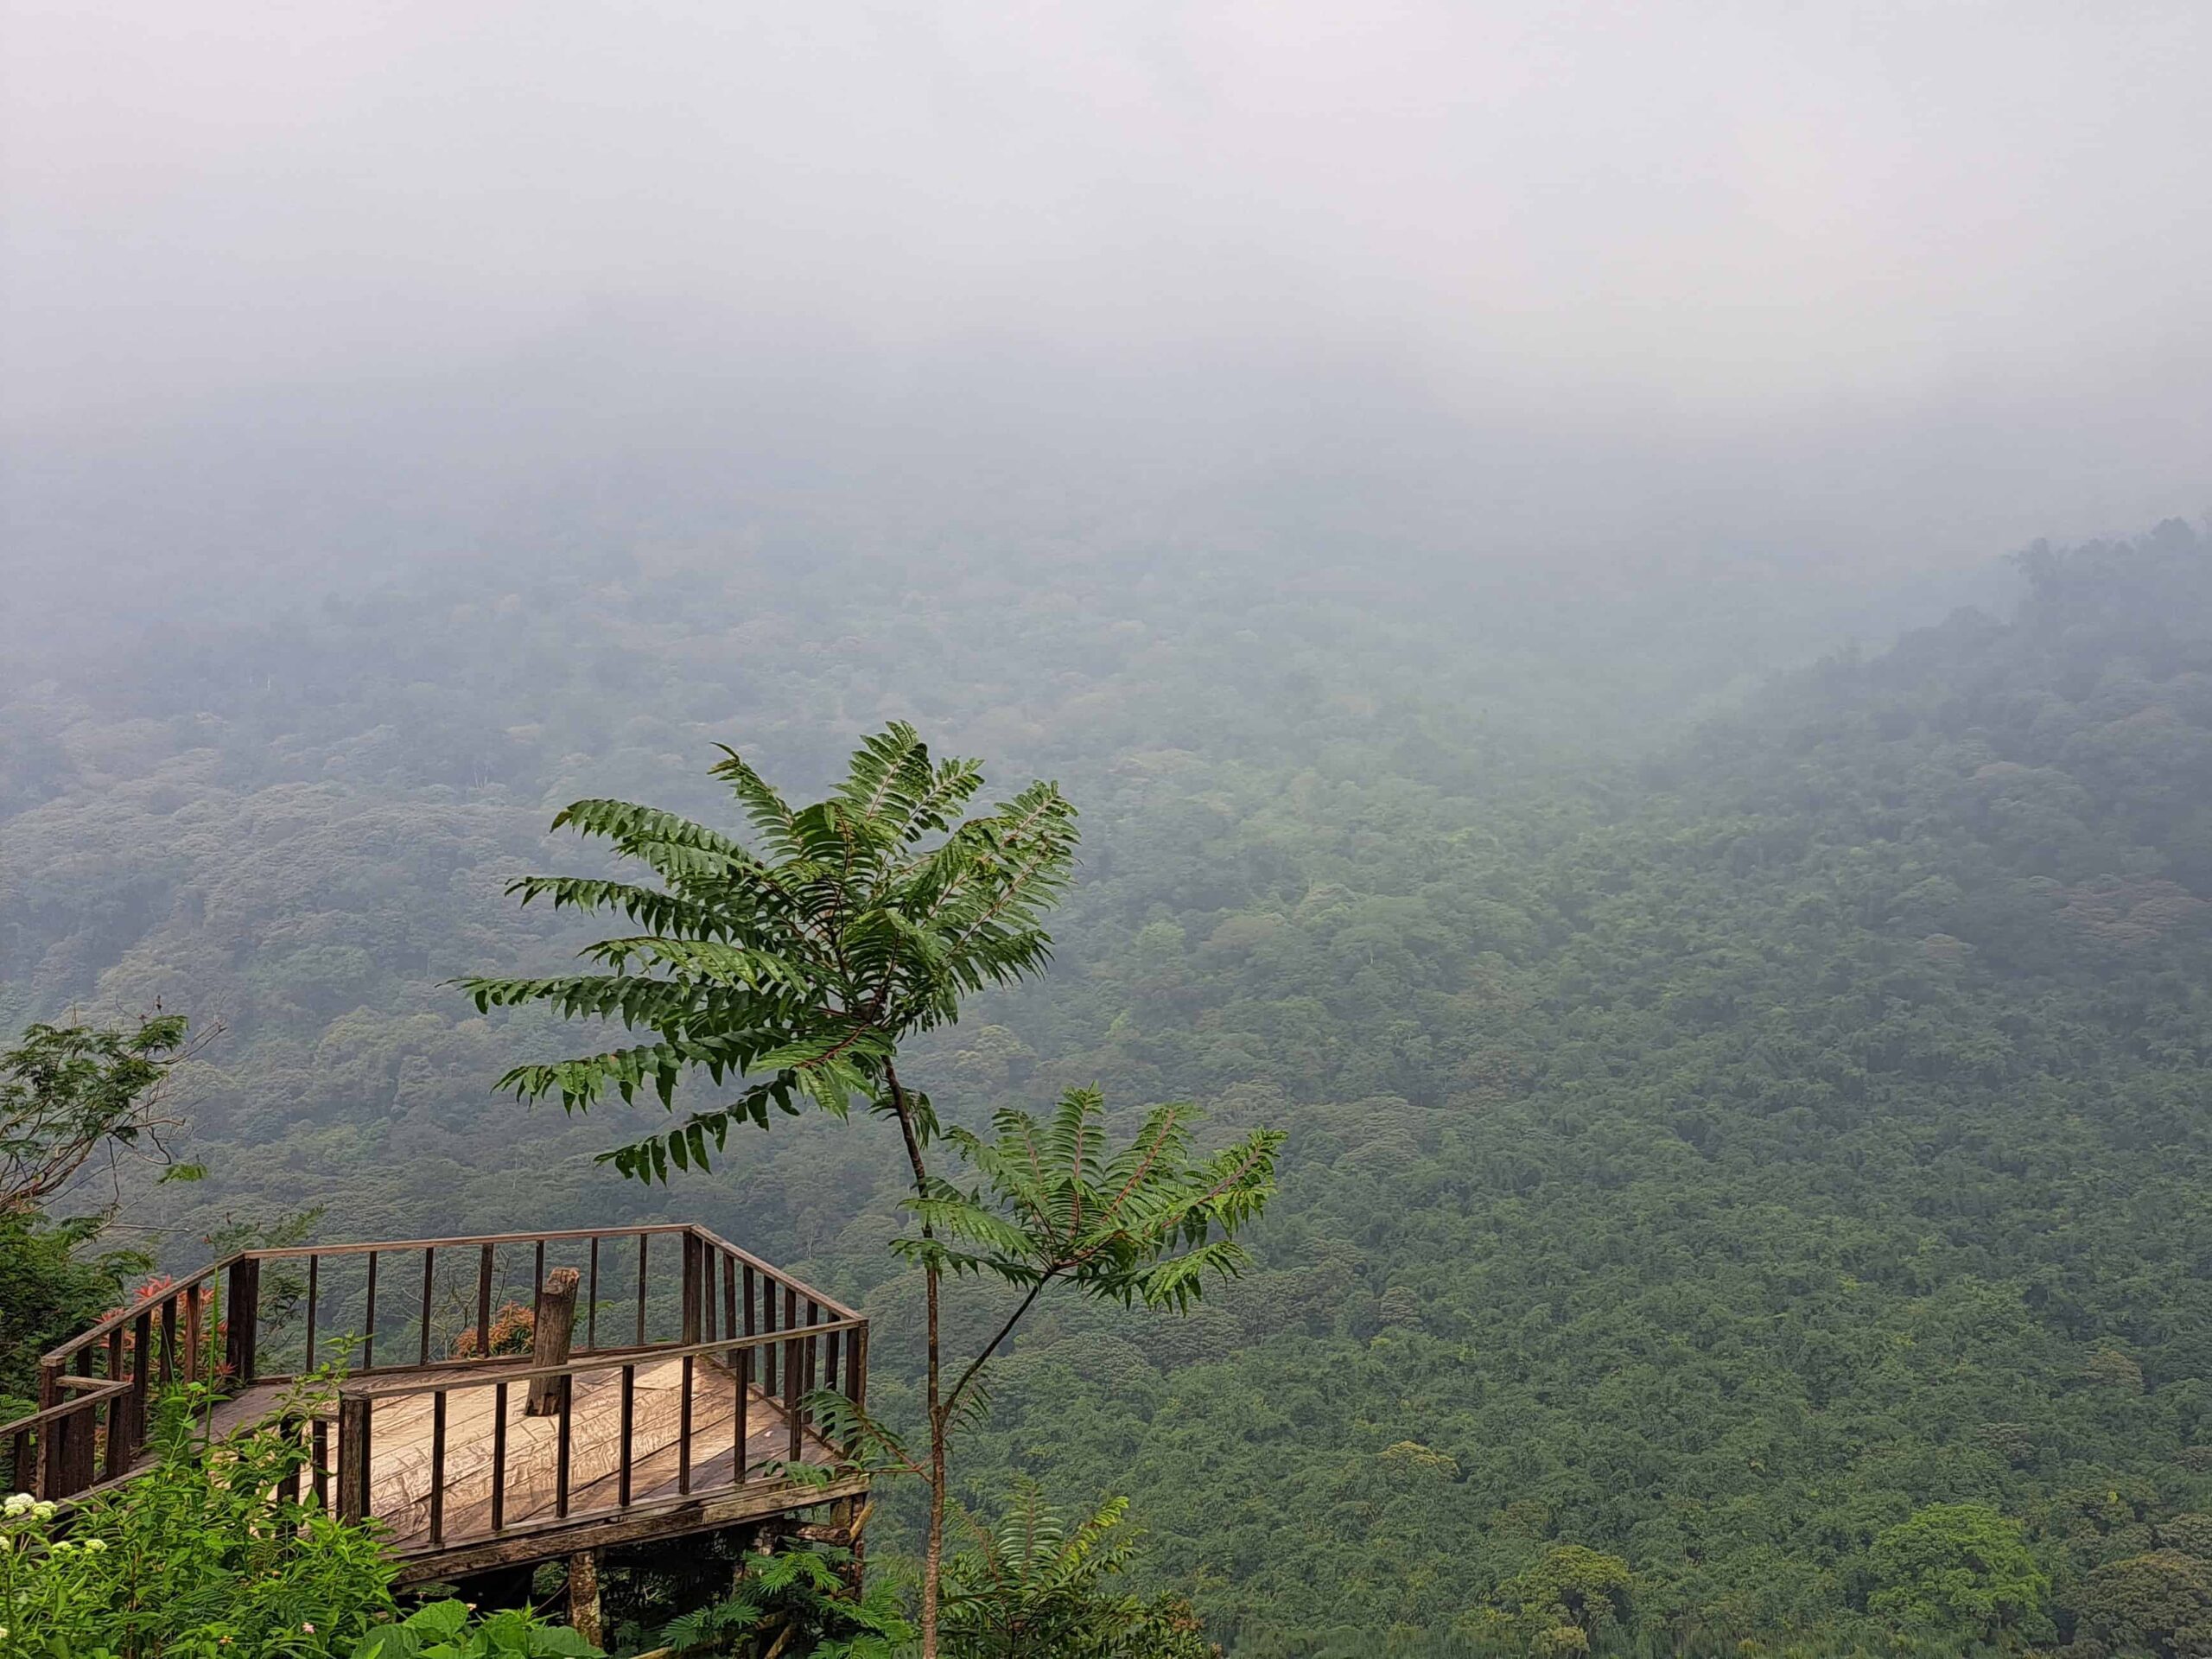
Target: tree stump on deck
{"x":554,"y":1328}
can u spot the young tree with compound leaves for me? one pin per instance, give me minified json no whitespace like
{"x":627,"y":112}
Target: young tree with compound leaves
{"x":77,"y":1103}
{"x":72,"y":1095}
{"x":1033,"y":1584}
{"x":790,"y":967}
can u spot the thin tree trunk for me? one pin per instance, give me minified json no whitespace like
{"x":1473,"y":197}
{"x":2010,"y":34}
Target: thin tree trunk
{"x":933,"y":1556}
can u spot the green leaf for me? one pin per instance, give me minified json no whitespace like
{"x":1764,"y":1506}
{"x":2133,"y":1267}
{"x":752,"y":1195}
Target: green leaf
{"x":437,"y":1620}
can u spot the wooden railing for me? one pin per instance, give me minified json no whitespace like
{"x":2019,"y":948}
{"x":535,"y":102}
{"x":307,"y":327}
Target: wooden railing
{"x":94,"y":1391}
{"x":787,"y":1365}
{"x":666,"y":1291}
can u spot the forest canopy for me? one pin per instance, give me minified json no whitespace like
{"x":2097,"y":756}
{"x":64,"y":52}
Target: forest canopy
{"x":1747,"y":1142}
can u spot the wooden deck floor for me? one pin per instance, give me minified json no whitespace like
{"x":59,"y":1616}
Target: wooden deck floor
{"x":401,"y":1439}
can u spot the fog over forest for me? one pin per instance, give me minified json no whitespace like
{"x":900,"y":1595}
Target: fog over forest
{"x":1624,"y":595}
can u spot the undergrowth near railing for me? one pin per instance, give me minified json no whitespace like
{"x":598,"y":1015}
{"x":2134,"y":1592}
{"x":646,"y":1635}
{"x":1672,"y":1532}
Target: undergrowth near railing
{"x":208,"y":1555}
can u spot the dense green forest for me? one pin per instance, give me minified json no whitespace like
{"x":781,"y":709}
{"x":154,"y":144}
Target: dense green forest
{"x":1747,"y":1118}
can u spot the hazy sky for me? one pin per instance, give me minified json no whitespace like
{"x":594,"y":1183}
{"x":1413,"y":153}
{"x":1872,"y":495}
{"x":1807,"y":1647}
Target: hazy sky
{"x":1964,"y":240}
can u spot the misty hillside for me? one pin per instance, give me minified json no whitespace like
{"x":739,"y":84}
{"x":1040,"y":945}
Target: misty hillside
{"x":1453,"y":762}
{"x":1712,"y":1139}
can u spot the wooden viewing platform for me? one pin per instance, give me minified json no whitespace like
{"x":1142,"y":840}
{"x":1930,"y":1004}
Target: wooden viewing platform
{"x":684,"y":1420}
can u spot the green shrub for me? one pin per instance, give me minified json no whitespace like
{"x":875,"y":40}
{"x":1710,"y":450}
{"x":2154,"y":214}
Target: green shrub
{"x":445,"y":1630}
{"x":796,"y":1602}
{"x":203,"y":1557}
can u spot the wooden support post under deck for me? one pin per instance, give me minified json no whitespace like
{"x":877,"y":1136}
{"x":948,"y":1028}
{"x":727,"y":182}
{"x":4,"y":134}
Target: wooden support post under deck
{"x":583,"y":1597}
{"x":849,"y":1517}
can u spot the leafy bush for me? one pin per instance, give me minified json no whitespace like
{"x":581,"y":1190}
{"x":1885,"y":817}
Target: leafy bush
{"x":203,"y":1557}
{"x":514,"y":1330}
{"x":794,"y":1602}
{"x":193,"y":1557}
{"x":70,"y":1096}
{"x":1034,"y":1585}
{"x":445,"y":1630}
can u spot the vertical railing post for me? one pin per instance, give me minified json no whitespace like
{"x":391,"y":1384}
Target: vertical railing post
{"x":591,"y":1303}
{"x":563,"y":1444}
{"x":740,"y":1432}
{"x":288,"y":1429}
{"x":767,"y":1329}
{"x":791,"y":1368}
{"x":80,"y":1449}
{"x":691,"y":1298}
{"x":429,"y":1286}
{"x":629,"y":1421}
{"x":53,"y":1438}
{"x":683,"y":1433}
{"x":484,"y":1302}
{"x":241,"y":1299}
{"x":369,"y":1319}
{"x":119,"y":1410}
{"x":500,"y":1458}
{"x":352,"y":1457}
{"x":195,"y":1334}
{"x":788,"y":1366}
{"x":142,"y":1376}
{"x":438,"y":1467}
